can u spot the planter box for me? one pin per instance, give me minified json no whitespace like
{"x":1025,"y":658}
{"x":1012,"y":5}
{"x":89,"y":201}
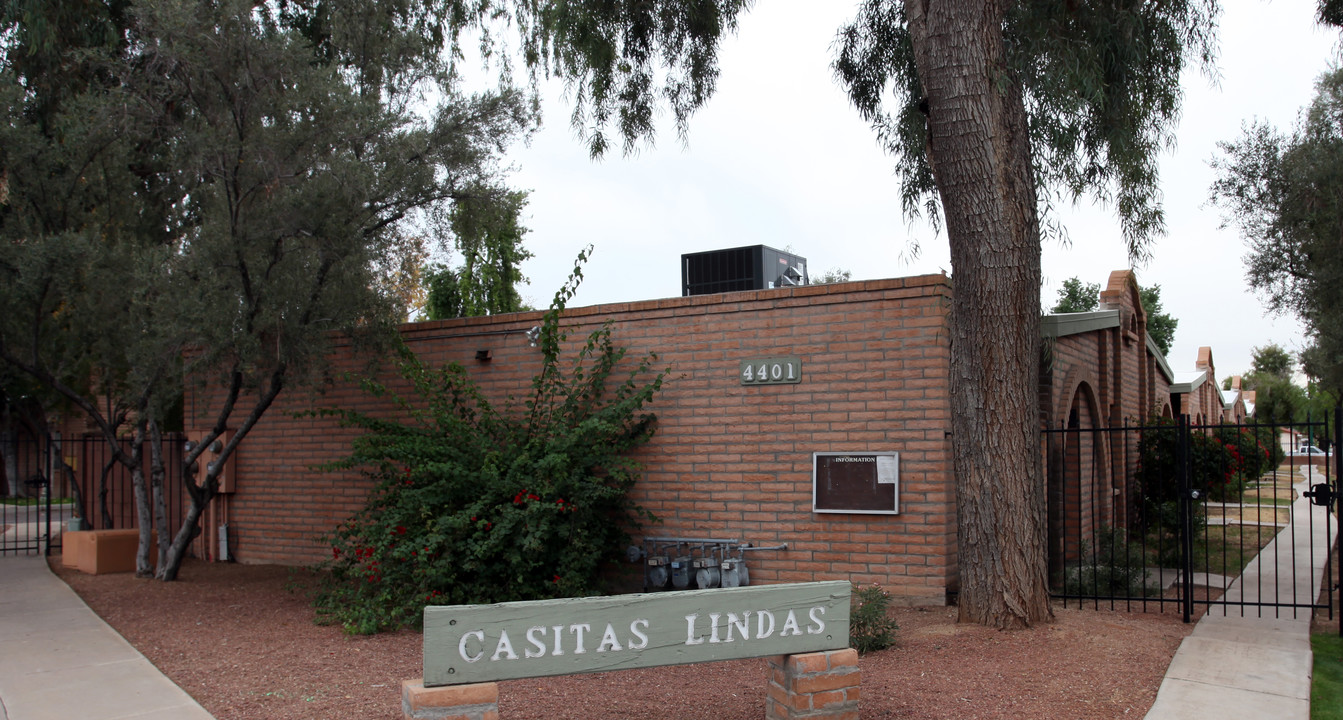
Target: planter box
{"x":102,"y":551}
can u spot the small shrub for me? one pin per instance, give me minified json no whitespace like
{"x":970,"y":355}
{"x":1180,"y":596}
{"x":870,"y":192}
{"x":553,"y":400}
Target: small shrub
{"x":870,"y":626}
{"x":1116,"y":567}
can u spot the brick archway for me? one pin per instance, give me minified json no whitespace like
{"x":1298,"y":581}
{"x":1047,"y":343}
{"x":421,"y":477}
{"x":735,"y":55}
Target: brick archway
{"x":1078,"y":493}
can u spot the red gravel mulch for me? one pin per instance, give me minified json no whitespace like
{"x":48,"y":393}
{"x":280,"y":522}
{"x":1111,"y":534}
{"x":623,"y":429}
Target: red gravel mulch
{"x":241,"y":640}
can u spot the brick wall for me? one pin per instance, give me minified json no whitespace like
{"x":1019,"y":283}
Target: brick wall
{"x":728,"y":460}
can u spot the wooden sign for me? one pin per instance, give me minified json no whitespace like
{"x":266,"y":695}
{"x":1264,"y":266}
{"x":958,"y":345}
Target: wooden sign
{"x":856,"y":482}
{"x":484,"y":643}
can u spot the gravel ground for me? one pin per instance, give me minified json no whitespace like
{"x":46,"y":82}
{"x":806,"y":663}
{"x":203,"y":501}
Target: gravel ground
{"x":240,"y":639}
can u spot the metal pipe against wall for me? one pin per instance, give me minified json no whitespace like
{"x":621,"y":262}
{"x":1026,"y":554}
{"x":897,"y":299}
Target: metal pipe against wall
{"x":692,"y":541}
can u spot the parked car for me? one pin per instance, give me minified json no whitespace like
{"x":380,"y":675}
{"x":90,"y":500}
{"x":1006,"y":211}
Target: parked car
{"x":1310,"y":450}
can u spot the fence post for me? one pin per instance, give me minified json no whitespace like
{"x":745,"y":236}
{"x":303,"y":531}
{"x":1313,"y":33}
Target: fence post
{"x":1186,"y":507}
{"x":46,"y":540}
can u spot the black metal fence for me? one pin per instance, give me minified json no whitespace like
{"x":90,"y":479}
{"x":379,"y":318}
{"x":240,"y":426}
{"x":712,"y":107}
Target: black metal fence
{"x":59,"y":479}
{"x":1176,"y":516}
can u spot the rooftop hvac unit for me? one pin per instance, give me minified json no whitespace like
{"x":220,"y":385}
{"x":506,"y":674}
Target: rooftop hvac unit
{"x":756,"y":267}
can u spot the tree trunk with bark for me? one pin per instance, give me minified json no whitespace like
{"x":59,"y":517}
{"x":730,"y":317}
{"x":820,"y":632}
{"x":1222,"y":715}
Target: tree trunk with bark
{"x":156,"y":477}
{"x":980,"y":155}
{"x":143,"y":513}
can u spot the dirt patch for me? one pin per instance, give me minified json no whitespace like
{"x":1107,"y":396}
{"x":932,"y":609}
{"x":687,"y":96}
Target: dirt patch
{"x":240,"y":639}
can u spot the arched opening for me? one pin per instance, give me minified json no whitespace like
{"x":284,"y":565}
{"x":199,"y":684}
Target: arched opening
{"x":1079,"y":498}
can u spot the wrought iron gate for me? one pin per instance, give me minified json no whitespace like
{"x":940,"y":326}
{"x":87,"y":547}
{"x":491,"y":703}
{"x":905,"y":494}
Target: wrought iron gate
{"x":26,"y":517}
{"x":1236,"y":519}
{"x":60,"y":479}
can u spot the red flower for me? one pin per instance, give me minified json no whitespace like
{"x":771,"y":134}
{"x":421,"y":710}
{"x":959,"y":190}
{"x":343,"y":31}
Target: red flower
{"x":557,"y":579}
{"x":335,"y":553}
{"x":400,"y":530}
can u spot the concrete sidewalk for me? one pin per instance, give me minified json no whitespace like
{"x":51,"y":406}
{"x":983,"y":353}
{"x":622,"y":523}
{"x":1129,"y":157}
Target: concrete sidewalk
{"x":1249,"y":663}
{"x":58,"y":660}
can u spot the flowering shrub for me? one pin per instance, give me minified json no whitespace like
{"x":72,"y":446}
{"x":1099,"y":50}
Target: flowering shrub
{"x":475,"y":505}
{"x":1221,"y":463}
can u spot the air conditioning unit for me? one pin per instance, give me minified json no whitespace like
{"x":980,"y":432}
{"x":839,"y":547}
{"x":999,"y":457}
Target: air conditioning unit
{"x":756,"y":267}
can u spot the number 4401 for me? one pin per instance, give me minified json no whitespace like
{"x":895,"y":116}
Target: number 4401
{"x":770,"y":371}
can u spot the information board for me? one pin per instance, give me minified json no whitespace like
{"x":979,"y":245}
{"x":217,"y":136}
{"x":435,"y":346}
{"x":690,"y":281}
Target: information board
{"x":856,"y":482}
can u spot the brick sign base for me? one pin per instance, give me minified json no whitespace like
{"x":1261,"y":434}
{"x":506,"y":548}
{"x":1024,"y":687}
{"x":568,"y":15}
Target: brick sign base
{"x":813,"y":685}
{"x":477,"y":701}
{"x":810,"y":686}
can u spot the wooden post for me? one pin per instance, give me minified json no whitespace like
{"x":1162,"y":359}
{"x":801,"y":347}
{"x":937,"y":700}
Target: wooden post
{"x":477,"y":701}
{"x":813,"y":685}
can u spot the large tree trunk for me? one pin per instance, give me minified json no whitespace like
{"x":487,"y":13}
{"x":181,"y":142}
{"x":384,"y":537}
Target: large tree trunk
{"x":980,"y":154}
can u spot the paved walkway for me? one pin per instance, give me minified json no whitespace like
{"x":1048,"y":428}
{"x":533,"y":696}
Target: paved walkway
{"x":59,"y":661}
{"x":1251,"y":663}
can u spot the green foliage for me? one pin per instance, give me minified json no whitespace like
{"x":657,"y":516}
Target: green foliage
{"x":870,"y":625}
{"x":1076,"y":296}
{"x":1318,"y":363}
{"x":1114,"y":567}
{"x":1101,"y":85}
{"x":1284,"y":192}
{"x":1160,"y":325}
{"x":1271,"y":359}
{"x":488,"y":233}
{"x":611,"y":52}
{"x":1277,"y":399}
{"x":474,"y":504}
{"x":1326,"y":683}
{"x":237,"y":178}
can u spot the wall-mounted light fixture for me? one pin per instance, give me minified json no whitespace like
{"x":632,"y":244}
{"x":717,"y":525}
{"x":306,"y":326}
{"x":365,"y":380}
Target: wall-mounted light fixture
{"x":483,"y":355}
{"x":534,"y":335}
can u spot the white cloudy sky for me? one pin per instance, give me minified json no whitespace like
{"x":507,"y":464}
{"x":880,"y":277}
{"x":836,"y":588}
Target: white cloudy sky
{"x":779,"y":158}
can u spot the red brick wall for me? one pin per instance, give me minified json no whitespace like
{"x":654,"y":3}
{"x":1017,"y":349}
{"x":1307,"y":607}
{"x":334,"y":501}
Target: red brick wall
{"x":727,"y":461}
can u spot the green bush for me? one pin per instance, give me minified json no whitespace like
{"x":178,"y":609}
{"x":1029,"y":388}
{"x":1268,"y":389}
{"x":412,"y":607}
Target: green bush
{"x":870,"y":626}
{"x":1115,"y":567}
{"x":1220,"y":463}
{"x":476,"y":505}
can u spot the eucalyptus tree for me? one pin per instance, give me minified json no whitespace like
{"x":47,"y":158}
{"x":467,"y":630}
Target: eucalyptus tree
{"x":231,"y":185}
{"x":1284,"y":192}
{"x":488,"y":233}
{"x":992,"y":110}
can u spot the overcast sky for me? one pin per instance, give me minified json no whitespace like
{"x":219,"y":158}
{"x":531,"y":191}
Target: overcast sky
{"x":779,"y":158}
